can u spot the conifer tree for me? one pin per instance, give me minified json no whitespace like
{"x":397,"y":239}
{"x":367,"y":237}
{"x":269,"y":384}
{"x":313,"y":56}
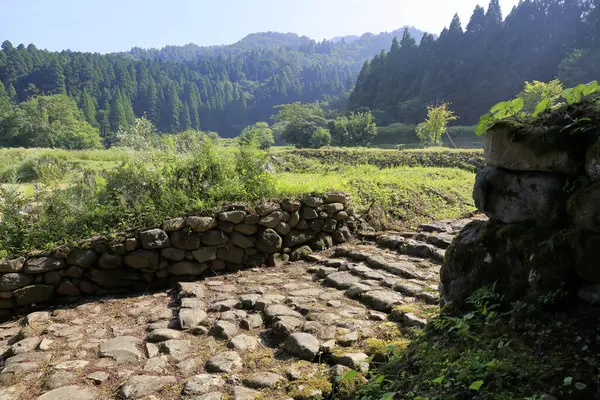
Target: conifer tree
{"x":118,"y":115}
{"x":87,"y":106}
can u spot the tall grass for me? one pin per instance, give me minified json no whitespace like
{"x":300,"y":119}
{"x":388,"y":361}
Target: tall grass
{"x":68,"y":199}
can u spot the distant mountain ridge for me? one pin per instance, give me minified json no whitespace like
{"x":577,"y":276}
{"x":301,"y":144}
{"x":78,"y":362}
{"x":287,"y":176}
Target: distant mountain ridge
{"x":365,"y":46}
{"x":416,"y":33}
{"x":215,"y":88}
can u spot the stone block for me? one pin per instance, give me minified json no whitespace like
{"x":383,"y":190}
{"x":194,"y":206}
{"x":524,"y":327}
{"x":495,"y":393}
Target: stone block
{"x":517,"y":197}
{"x":502,"y":150}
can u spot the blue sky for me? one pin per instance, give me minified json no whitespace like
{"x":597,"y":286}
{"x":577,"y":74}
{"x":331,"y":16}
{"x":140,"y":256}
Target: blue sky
{"x":117,"y":25}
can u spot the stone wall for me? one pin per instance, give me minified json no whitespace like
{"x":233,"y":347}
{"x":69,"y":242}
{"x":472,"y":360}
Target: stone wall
{"x":183,"y":249}
{"x":543,"y":204}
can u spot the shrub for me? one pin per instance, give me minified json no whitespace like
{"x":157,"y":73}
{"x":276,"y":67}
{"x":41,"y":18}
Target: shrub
{"x":259,"y":135}
{"x":356,"y":129}
{"x":321,"y":137}
{"x":48,"y":121}
{"x":44,"y":168}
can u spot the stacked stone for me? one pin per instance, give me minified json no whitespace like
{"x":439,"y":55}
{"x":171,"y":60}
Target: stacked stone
{"x":544,"y":222}
{"x":184,"y":249}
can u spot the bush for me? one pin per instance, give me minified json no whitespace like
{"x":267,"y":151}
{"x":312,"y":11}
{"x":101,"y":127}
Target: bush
{"x":321,"y":137}
{"x":356,"y":129}
{"x":48,"y":121}
{"x":44,"y":168}
{"x":141,"y":192}
{"x":259,"y":135}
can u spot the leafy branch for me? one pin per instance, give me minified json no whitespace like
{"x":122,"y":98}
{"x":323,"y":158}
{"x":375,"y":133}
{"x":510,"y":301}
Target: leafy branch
{"x":513,"y":109}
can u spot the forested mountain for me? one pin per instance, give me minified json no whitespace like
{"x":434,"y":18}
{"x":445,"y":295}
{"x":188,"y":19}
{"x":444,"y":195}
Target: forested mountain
{"x":347,"y":48}
{"x":485,"y":63}
{"x":382,"y":39}
{"x":218,"y":88}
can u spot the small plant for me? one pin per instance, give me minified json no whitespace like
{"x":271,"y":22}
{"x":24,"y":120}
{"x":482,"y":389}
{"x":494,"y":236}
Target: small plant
{"x":436,"y":125}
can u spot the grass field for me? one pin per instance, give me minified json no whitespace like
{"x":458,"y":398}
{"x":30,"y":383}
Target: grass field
{"x":70,"y":195}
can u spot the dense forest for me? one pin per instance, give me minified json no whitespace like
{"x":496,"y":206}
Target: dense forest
{"x":218,"y":88}
{"x":483,"y":64}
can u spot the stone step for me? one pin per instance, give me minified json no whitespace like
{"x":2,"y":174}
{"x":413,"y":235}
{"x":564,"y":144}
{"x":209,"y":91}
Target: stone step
{"x":378,"y":290}
{"x":395,"y":264}
{"x":421,"y":245}
{"x":407,"y":285}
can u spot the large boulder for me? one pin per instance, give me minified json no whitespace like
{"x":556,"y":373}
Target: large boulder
{"x":39,"y":265}
{"x":269,"y":241}
{"x":185,"y":240}
{"x":83,"y":258}
{"x":204,"y":254}
{"x":267,"y":207}
{"x":516,"y":197}
{"x":510,"y":257}
{"x":231,"y":254}
{"x":201,"y":224}
{"x":502,"y":150}
{"x":584,"y":208}
{"x":296,"y":238}
{"x":214,"y":238}
{"x":13,"y":281}
{"x":14,"y":265}
{"x":33,"y":294}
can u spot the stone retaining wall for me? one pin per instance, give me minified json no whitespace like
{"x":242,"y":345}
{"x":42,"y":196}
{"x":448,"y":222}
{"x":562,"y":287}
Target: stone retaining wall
{"x":183,"y":249}
{"x":542,"y":242}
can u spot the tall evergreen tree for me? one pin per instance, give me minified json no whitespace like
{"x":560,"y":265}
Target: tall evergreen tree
{"x":87,"y":106}
{"x":185,"y":121}
{"x":118,"y":113}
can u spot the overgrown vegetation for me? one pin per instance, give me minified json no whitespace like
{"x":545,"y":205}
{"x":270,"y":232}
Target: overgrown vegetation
{"x":332,"y":158}
{"x":523,"y":353}
{"x":538,"y":106}
{"x":64,"y":196}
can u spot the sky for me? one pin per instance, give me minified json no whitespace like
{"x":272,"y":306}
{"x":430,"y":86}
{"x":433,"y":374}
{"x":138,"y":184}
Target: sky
{"x":117,"y":25}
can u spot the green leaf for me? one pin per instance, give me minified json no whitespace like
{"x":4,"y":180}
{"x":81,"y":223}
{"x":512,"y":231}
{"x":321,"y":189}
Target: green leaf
{"x":542,"y":106}
{"x":439,"y":379}
{"x":388,"y":396}
{"x":568,"y":380}
{"x":590,"y":88}
{"x":517,"y":104}
{"x":580,"y":385}
{"x":500,"y":106}
{"x":483,"y":124}
{"x":475,"y":385}
{"x":349,"y":375}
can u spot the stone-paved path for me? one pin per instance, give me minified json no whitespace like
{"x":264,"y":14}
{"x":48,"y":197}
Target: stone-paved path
{"x":268,"y":333}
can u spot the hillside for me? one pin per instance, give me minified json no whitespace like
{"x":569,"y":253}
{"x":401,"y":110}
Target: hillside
{"x":217,"y":88}
{"x":347,"y":48}
{"x":487,"y":62}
